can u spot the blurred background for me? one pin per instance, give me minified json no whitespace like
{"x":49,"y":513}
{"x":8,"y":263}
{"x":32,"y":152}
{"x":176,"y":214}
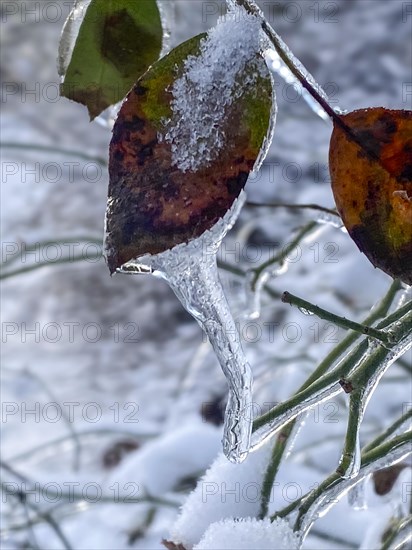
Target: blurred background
{"x":95,"y":368}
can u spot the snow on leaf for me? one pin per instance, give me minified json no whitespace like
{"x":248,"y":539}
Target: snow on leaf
{"x":210,"y":84}
{"x":247,"y":533}
{"x":371,"y":169}
{"x":116,"y":43}
{"x":155,"y":205}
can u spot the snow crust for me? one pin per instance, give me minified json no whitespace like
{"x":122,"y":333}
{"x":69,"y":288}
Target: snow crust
{"x":209,"y":85}
{"x":247,"y":533}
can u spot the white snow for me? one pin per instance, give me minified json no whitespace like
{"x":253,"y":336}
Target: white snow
{"x":227,"y":490}
{"x":159,"y":466}
{"x":244,"y":534}
{"x":209,"y":85}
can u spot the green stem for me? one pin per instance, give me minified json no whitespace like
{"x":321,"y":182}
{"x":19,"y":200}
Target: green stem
{"x":381,"y":310}
{"x":53,"y":150}
{"x":342,"y":322}
{"x":335,"y":480}
{"x":79,"y":497}
{"x":33,"y":248}
{"x":388,"y":432}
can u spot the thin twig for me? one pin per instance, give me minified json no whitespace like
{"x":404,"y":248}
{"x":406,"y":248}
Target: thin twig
{"x":317,"y":207}
{"x":342,"y":322}
{"x":53,"y":150}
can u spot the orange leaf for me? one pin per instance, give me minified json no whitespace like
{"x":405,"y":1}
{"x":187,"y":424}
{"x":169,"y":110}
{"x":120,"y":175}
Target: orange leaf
{"x":371,"y":169}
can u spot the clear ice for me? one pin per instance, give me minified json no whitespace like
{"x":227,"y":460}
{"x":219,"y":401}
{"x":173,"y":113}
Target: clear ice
{"x":321,"y":506}
{"x":191,"y":271}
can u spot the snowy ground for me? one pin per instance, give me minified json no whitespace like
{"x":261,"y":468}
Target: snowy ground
{"x":115,"y":373}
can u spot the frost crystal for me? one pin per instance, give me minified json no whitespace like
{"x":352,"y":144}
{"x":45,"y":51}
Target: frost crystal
{"x":248,"y":533}
{"x":209,"y":85}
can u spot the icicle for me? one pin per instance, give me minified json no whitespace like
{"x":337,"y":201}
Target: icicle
{"x":191,"y":271}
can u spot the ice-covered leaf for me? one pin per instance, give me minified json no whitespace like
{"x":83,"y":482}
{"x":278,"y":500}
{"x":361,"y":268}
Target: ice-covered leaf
{"x":371,"y":169}
{"x":185,"y":141}
{"x":116,"y":43}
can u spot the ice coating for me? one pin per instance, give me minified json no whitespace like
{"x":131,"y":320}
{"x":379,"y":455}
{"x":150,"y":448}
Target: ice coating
{"x":357,"y":495}
{"x":209,"y":85}
{"x":69,"y":34}
{"x":269,"y":430}
{"x":321,"y":506}
{"x":361,"y":404}
{"x":191,"y":271}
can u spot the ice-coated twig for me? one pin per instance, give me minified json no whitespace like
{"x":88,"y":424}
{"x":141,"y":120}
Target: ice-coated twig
{"x":258,"y":278}
{"x":369,"y":366}
{"x":298,"y":71}
{"x":319,"y":501}
{"x":191,"y":271}
{"x":400,"y":534}
{"x":342,"y":322}
{"x":381,"y":310}
{"x":361,"y":386}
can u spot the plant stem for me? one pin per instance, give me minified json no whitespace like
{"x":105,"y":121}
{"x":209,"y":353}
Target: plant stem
{"x":54,"y":150}
{"x":388,"y":432}
{"x":405,"y":524}
{"x":334,"y":481}
{"x":377,"y":312}
{"x":287,"y":57}
{"x":342,"y":322}
{"x":281,"y":257}
{"x":29,"y":268}
{"x":294,"y":207}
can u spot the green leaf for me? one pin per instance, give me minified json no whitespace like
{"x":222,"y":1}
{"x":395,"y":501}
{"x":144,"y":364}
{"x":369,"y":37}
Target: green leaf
{"x":117,"y":42}
{"x":153,"y":204}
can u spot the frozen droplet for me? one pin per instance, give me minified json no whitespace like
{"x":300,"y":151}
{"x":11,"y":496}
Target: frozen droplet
{"x":306,"y":311}
{"x":329,"y":219}
{"x":340,"y":111}
{"x":191,"y":271}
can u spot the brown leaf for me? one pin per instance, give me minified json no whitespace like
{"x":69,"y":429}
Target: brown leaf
{"x":371,"y":170}
{"x":385,"y":479}
{"x":172,"y":546}
{"x":153,"y":205}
